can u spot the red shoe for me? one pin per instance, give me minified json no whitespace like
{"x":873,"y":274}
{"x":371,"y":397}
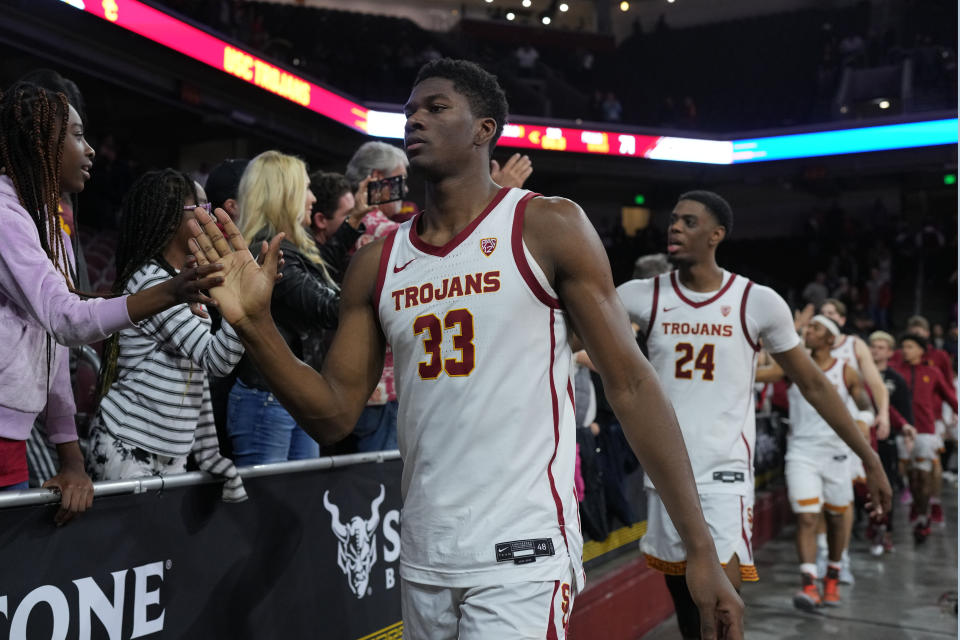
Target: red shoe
{"x":921,"y":532}
{"x":936,"y":514}
{"x":831,"y":588}
{"x":888,"y":543}
{"x":808,"y":598}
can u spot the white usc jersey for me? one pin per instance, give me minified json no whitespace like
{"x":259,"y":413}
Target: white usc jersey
{"x":704,"y":347}
{"x":486,"y":421}
{"x":809,"y":432}
{"x":843,"y":350}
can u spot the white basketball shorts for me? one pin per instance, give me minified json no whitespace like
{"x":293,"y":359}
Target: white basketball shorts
{"x":730,"y":520}
{"x":821,"y":481}
{"x":513,"y":611}
{"x":926,"y":449}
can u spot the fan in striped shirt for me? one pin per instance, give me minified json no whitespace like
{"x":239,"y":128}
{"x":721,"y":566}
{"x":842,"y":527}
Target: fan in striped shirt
{"x":155,"y":407}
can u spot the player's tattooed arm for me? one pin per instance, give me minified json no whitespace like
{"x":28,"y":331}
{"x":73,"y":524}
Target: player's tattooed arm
{"x":857,"y":391}
{"x":873,"y":380}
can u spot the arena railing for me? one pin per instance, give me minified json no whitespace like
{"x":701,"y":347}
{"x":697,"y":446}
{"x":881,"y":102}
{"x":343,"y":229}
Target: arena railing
{"x":29,"y":497}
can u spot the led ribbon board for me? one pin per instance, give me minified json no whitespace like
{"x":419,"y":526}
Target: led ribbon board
{"x":801,"y":145}
{"x":199,"y":45}
{"x":203,"y":47}
{"x":384,"y":124}
{"x":860,"y":140}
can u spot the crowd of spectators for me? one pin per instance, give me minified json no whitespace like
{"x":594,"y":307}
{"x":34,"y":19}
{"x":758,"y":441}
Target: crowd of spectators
{"x":176,"y":391}
{"x":654,"y":77}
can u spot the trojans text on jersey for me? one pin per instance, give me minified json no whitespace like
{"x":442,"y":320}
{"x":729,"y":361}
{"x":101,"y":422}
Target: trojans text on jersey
{"x":455,"y":287}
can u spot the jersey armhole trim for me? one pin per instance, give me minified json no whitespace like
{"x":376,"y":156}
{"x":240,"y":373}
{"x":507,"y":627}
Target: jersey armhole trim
{"x":385,"y":252}
{"x":743,"y":317}
{"x":653,"y":309}
{"x":843,"y":371}
{"x":519,"y":257}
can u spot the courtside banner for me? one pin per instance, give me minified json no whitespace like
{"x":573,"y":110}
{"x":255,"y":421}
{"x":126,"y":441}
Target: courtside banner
{"x":309,"y":555}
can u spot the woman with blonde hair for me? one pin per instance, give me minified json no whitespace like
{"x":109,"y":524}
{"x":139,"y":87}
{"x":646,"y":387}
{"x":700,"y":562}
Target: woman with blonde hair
{"x":275,"y":196}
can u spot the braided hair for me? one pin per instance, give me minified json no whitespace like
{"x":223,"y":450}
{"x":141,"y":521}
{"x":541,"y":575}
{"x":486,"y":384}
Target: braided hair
{"x":150,"y":215}
{"x":33,"y":126}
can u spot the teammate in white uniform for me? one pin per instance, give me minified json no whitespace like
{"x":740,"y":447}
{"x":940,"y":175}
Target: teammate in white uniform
{"x":855,"y":352}
{"x":475,"y":296}
{"x":817,"y":469}
{"x":703,"y":327}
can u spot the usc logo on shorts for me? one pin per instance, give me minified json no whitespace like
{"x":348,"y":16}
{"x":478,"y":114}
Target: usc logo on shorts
{"x":565,"y":604}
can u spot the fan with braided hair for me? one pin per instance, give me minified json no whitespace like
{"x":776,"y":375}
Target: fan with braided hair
{"x":150,"y":217}
{"x":43,"y":155}
{"x":154,"y":379}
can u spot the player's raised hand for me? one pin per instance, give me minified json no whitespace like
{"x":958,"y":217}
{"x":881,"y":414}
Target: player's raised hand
{"x":245,"y":293}
{"x":801,"y":317}
{"x":721,"y":609}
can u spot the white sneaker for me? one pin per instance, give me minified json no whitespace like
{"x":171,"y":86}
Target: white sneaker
{"x":846,"y":576}
{"x":876,"y":550}
{"x":821,"y":563}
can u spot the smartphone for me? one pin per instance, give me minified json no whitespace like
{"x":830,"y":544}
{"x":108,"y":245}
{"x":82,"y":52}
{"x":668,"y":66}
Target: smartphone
{"x":386,"y":190}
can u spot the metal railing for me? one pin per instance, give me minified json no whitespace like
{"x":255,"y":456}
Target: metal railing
{"x":147,"y":484}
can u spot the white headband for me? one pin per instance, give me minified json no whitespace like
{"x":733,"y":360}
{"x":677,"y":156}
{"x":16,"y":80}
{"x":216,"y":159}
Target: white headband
{"x":828,"y":323}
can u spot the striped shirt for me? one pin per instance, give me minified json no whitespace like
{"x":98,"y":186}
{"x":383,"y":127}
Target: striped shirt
{"x":160,"y":400}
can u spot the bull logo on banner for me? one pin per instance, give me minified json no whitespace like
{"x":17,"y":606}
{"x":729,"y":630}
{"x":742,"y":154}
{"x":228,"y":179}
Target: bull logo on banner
{"x":357,"y":543}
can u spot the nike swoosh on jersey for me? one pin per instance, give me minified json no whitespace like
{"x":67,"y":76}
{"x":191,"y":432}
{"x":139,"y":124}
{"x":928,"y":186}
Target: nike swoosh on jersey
{"x":397,"y":269}
{"x":666,"y":309}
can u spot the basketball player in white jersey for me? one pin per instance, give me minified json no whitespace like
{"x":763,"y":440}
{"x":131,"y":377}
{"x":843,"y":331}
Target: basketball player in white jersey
{"x":855,"y":352}
{"x":703,"y":327}
{"x":817,"y":463}
{"x":474,"y":296}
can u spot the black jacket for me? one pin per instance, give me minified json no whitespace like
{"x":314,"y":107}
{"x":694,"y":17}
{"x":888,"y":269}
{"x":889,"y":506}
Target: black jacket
{"x":336,"y":250}
{"x":304,"y":307}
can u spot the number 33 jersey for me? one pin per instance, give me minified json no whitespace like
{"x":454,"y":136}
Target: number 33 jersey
{"x":486,"y":423}
{"x":704,"y":348}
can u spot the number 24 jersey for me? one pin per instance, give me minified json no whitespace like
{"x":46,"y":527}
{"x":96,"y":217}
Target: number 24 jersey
{"x":703,"y":346}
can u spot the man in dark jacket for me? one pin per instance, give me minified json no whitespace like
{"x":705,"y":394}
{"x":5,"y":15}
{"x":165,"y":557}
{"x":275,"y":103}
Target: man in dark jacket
{"x":882,"y":345}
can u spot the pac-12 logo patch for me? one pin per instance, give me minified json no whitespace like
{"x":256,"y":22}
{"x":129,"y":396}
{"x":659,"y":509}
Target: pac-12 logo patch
{"x":725,"y":310}
{"x":487,"y":245}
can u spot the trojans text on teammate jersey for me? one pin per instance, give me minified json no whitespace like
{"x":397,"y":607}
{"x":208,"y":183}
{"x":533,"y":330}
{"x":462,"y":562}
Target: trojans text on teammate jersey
{"x":455,"y":287}
{"x":697,"y":329}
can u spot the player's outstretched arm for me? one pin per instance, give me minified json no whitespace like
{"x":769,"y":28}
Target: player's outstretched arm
{"x":770,"y":373}
{"x":326,"y":406}
{"x":565,"y":244}
{"x":878,"y":388}
{"x":861,"y":398}
{"x":818,"y":391}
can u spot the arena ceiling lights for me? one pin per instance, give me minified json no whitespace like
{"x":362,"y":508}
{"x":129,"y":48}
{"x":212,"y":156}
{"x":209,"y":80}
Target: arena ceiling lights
{"x":203,"y":47}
